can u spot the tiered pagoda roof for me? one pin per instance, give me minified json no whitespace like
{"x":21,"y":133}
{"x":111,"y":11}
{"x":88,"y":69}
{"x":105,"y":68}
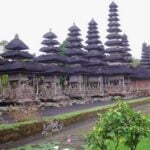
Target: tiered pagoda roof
{"x":114,"y":42}
{"x":21,"y":67}
{"x":94,"y":47}
{"x":74,"y":51}
{"x":117,"y":46}
{"x":16,"y":50}
{"x":19,"y":59}
{"x":118,"y":70}
{"x":141,"y":72}
{"x":51,"y":50}
{"x":125,"y":46}
{"x":52,"y":57}
{"x":145,"y":58}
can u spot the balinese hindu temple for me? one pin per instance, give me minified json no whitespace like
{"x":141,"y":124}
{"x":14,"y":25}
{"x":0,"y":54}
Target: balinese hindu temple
{"x":78,"y":73}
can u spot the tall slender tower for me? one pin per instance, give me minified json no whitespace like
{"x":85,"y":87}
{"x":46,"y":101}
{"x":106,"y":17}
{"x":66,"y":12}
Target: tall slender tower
{"x":125,"y":46}
{"x":114,"y":42}
{"x":74,"y":49}
{"x":145,"y":58}
{"x":94,"y":47}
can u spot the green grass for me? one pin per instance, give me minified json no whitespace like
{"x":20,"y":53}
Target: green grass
{"x":14,"y":126}
{"x":67,"y":116}
{"x":143,"y":145}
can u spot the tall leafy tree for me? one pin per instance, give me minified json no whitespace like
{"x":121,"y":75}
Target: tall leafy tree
{"x":62,"y":47}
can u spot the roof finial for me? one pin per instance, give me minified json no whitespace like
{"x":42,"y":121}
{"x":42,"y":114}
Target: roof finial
{"x":16,"y":36}
{"x":50,"y":29}
{"x":74,"y":24}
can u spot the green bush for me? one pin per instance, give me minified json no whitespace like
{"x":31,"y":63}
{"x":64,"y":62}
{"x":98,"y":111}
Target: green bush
{"x":121,"y":125}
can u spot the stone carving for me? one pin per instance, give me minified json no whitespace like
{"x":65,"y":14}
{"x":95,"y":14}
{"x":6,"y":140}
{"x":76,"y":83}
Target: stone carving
{"x":52,"y":126}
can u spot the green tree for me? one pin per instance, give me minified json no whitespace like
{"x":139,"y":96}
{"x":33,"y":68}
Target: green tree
{"x":135,"y":62}
{"x":2,"y":45}
{"x":62,"y":47}
{"x":121,"y":125}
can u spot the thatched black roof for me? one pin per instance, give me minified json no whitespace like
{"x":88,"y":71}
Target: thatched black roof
{"x":145,"y":57}
{"x":99,"y":71}
{"x":49,"y":49}
{"x":92,"y":30}
{"x":113,"y":9}
{"x":21,"y":67}
{"x":113,"y":5}
{"x":113,"y":14}
{"x":74,"y":39}
{"x":95,"y":54}
{"x":114,"y":42}
{"x":16,"y":44}
{"x":74,"y":34}
{"x":94,"y":47}
{"x":114,"y":30}
{"x":55,"y":70}
{"x":74,"y":28}
{"x":50,"y":58}
{"x":112,"y":24}
{"x":141,"y":73}
{"x":49,"y":35}
{"x":92,"y":35}
{"x":74,"y":45}
{"x":52,"y":50}
{"x":77,"y":60}
{"x":118,"y":70}
{"x":95,"y":62}
{"x":3,"y":61}
{"x":50,"y":42}
{"x":114,"y":49}
{"x":92,"y":22}
{"x":127,"y":54}
{"x":111,"y":58}
{"x":125,"y":40}
{"x":78,"y":70}
{"x":114,"y":36}
{"x":75,"y":52}
{"x":113,"y":19}
{"x":125,"y":48}
{"x":93,"y":41}
{"x":17,"y":55}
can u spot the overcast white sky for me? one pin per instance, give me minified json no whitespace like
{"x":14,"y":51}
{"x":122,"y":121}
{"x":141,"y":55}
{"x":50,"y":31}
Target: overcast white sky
{"x":32,"y":18}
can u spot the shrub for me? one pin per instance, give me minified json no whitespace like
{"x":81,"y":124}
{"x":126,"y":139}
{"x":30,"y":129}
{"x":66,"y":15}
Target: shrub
{"x":121,"y":125}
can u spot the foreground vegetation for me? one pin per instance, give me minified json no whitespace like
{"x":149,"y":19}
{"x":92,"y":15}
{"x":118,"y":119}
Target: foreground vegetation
{"x":118,"y":128}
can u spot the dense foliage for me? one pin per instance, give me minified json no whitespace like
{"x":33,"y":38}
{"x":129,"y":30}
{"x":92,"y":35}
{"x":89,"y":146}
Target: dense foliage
{"x":62,"y":47}
{"x":135,"y":62}
{"x":121,"y":125}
